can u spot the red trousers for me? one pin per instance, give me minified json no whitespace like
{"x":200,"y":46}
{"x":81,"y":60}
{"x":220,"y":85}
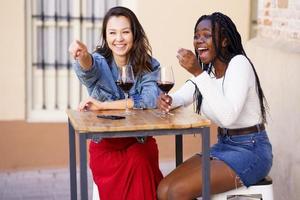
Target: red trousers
{"x":124,"y":169}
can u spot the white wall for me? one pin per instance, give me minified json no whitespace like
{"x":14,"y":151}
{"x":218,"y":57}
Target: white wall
{"x":278,"y":69}
{"x":12,"y":56}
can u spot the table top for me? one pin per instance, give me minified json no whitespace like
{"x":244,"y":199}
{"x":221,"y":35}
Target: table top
{"x":181,"y":118}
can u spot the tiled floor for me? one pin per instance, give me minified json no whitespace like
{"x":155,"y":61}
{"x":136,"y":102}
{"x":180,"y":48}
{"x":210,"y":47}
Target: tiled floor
{"x":50,"y":184}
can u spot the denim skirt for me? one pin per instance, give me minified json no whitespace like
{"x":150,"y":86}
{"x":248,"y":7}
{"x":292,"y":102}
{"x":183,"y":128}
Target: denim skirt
{"x":250,"y":156}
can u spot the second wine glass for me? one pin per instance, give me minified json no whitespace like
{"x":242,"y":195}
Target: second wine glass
{"x":125,"y":82}
{"x":165,"y":80}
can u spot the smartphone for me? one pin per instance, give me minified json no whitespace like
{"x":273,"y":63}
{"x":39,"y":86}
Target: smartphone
{"x":113,"y":117}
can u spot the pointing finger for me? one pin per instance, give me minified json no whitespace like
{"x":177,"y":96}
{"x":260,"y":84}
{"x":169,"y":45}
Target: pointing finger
{"x":80,"y":44}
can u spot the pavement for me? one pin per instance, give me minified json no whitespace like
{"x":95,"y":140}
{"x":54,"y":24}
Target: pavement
{"x":46,"y":184}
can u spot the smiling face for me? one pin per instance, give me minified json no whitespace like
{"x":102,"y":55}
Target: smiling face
{"x":119,"y":36}
{"x":203,"y":42}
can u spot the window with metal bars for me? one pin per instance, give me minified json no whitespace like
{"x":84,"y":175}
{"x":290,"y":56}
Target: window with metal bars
{"x":52,"y":86}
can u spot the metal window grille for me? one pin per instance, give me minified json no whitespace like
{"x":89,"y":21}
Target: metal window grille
{"x":52,"y":85}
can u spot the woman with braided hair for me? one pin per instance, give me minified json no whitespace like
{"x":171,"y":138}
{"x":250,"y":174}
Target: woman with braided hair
{"x":227,"y":90}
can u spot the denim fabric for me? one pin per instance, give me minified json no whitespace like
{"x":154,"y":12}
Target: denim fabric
{"x":100,"y":82}
{"x":250,"y":156}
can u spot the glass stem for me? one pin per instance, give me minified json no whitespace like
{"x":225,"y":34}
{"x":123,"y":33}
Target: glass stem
{"x":126,"y":106}
{"x":165,"y":112}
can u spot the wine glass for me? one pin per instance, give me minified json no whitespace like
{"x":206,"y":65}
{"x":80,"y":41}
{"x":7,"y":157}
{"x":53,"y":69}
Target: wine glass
{"x":165,"y":81}
{"x":125,"y":82}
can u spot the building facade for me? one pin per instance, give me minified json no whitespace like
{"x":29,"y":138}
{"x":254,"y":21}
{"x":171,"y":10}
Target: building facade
{"x":32,"y":122}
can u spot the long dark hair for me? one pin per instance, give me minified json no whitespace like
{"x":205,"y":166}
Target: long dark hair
{"x":140,"y":54}
{"x":223,"y":27}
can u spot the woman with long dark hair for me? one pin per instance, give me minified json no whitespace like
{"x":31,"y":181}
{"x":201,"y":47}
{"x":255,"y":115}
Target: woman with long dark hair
{"x":122,"y":168}
{"x":227,"y":90}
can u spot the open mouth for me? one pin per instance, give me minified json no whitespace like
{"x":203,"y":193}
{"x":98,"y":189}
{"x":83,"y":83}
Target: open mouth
{"x":202,"y":50}
{"x":203,"y":53}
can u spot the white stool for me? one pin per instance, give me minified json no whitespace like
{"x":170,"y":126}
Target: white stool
{"x":262,"y":190}
{"x":95,"y":192}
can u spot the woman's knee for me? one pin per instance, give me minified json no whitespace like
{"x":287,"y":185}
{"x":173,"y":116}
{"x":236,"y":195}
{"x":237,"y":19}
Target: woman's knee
{"x":162,"y":190}
{"x":142,"y":153}
{"x":138,"y":156}
{"x":176,"y":190}
{"x":170,"y":190}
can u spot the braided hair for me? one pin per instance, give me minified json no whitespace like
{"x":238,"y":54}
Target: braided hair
{"x":223,"y":27}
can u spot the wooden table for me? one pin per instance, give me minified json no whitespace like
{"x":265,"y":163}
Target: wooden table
{"x":142,"y":123}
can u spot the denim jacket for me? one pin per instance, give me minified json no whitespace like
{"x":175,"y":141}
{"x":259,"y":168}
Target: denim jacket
{"x":100,"y":82}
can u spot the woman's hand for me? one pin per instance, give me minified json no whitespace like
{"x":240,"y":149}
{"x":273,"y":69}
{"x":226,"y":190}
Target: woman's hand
{"x":164,"y":102}
{"x":89,"y":104}
{"x":79,"y":52}
{"x":188,"y":60}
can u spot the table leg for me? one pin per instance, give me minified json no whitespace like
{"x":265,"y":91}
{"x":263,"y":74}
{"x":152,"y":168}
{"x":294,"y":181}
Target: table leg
{"x":178,"y":144}
{"x":83,"y":167}
{"x":206,"y":164}
{"x":72,"y":157}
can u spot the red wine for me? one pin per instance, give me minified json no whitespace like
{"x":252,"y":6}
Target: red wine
{"x":125,"y":86}
{"x":165,"y":86}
